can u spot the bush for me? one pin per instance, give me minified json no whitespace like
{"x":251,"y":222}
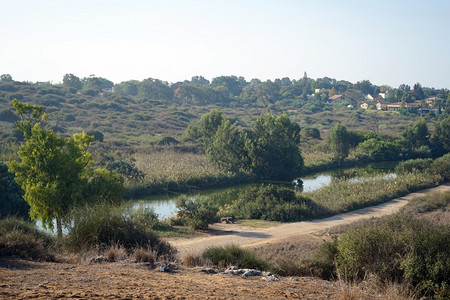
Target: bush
{"x":273,"y":203}
{"x":309,"y":132}
{"x":98,"y":135}
{"x":196,"y":212}
{"x":103,"y":226}
{"x":23,"y":239}
{"x":441,"y":166}
{"x":411,"y":165}
{"x":396,"y":249}
{"x":168,"y":140}
{"x":234,"y":256}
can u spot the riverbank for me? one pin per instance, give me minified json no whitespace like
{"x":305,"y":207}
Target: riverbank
{"x":223,"y":234}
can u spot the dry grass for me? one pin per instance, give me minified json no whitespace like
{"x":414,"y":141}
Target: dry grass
{"x":170,"y":165}
{"x":116,"y":253}
{"x":143,"y":255}
{"x":193,"y":260}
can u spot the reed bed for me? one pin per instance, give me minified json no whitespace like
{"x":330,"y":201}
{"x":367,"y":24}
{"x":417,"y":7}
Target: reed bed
{"x":170,"y":170}
{"x":342,"y":195}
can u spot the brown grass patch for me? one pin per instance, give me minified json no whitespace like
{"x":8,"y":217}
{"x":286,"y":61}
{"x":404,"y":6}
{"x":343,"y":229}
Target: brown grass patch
{"x":143,"y":255}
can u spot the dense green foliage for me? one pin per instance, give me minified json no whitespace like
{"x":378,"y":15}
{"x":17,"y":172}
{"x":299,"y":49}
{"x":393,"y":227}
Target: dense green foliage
{"x":56,"y":173}
{"x":11,"y":201}
{"x":196,"y":212}
{"x":51,"y":168}
{"x":272,"y":203}
{"x":270,"y":150}
{"x":396,"y":248}
{"x":234,"y":256}
{"x":339,"y":140}
{"x":273,"y":148}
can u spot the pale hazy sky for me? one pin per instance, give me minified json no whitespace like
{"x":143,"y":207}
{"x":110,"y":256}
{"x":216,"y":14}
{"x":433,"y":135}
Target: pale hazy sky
{"x":385,"y":41}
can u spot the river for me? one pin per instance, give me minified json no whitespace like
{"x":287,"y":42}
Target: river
{"x":165,"y":205}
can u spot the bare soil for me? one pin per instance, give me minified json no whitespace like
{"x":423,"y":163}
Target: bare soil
{"x":21,"y":279}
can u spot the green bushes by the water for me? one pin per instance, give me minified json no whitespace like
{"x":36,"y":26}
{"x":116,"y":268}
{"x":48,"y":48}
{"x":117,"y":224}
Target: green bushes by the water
{"x":273,"y":203}
{"x":411,"y":165}
{"x":196,"y":212}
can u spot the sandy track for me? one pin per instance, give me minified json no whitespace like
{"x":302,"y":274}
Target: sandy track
{"x":244,"y":236}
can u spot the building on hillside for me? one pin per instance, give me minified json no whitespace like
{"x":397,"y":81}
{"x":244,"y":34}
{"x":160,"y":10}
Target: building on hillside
{"x":336,"y":99}
{"x":382,"y":105}
{"x":433,"y":102}
{"x":367,"y":104}
{"x":409,"y":106}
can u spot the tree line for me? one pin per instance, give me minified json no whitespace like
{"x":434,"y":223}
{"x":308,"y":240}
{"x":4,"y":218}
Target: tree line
{"x":234,"y":89}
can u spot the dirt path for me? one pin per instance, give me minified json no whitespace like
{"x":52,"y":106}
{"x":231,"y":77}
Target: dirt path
{"x":244,"y":236}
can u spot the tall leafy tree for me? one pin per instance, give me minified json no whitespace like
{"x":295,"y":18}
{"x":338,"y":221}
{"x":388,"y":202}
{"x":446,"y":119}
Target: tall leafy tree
{"x":417,"y":92}
{"x":72,"y":81}
{"x":339,"y":139}
{"x":273,"y":148}
{"x":417,"y":134}
{"x":52,"y":169}
{"x":440,"y":139}
{"x":226,"y":150}
{"x":208,"y":126}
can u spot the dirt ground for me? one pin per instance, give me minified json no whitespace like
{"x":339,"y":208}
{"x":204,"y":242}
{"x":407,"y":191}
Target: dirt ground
{"x":21,"y":279}
{"x":127,"y":280}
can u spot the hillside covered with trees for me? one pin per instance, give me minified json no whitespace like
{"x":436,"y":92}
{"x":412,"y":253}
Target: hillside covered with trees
{"x":139,"y":113}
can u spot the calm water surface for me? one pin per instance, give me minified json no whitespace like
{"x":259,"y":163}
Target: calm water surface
{"x":165,"y":205}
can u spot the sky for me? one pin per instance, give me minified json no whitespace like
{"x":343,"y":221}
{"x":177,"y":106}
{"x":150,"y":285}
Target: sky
{"x":384,"y":41}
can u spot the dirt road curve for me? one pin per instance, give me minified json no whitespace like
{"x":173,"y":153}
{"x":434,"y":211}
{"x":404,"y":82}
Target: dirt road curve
{"x":244,"y":236}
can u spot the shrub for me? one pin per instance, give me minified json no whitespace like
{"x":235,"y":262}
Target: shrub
{"x":411,"y":165}
{"x":234,"y":256}
{"x":273,"y":203}
{"x":23,"y":239}
{"x":168,"y":140}
{"x":98,"y":135}
{"x":102,"y":225}
{"x":129,"y":170}
{"x":441,"y":166}
{"x":196,"y":212}
{"x":310,"y":132}
{"x":396,"y":249}
{"x":69,"y":118}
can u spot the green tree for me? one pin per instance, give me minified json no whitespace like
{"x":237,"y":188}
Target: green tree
{"x":417,"y":134}
{"x":52,"y":169}
{"x":226,"y":150}
{"x":11,"y":201}
{"x":273,"y":148}
{"x":208,"y":126}
{"x":339,"y":140}
{"x":72,"y":81}
{"x":417,"y":92}
{"x":6,"y":78}
{"x":440,"y":139}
